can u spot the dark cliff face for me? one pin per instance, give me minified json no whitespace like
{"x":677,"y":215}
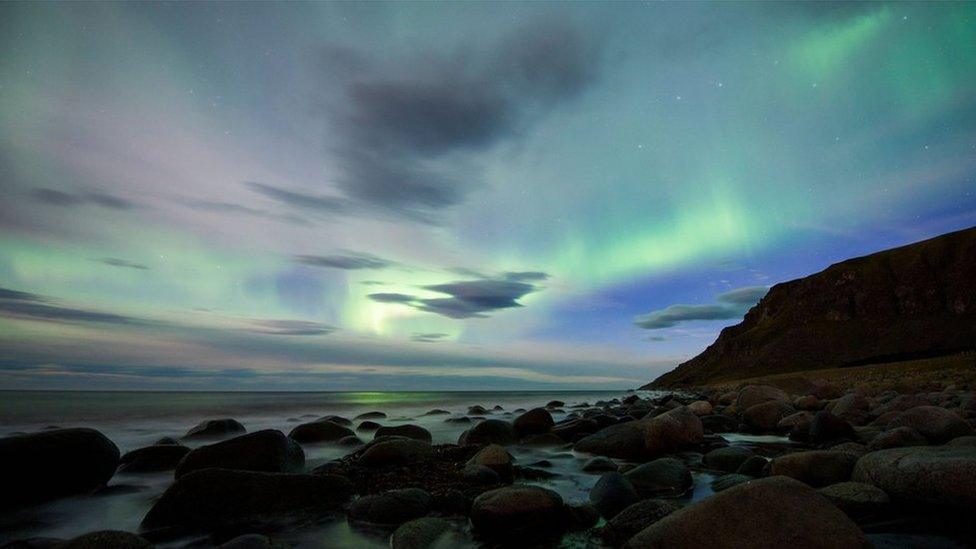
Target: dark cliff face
{"x":917,"y":300}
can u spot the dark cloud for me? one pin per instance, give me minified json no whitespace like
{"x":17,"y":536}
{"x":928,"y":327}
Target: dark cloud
{"x":231,"y":208}
{"x":348,"y":262}
{"x":397,"y":122}
{"x":468,"y":299}
{"x":429,"y":337}
{"x":292,"y":327}
{"x":373,"y":283}
{"x":731,"y":304}
{"x":115,"y":262}
{"x":60,"y":198}
{"x":527,"y":276}
{"x":302,"y":200}
{"x":25,"y":305}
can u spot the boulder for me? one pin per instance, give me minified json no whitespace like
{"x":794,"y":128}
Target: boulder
{"x":808,"y":402}
{"x":613,"y":493}
{"x":816,"y":468}
{"x":319,"y":431}
{"x":223,"y":500}
{"x":252,"y":541}
{"x":670,"y":432}
{"x":968,"y":440}
{"x":623,"y":440}
{"x":368,"y":426}
{"x":477,"y":410}
{"x":519,"y":513}
{"x":700,"y":408}
{"x":437,"y":412}
{"x":797,"y":425}
{"x":215,"y":428}
{"x":534,"y":422}
{"x":390,"y":508}
{"x":494,"y":457}
{"x":718,"y":423}
{"x":581,"y":516}
{"x":158,"y":457}
{"x":370,"y":415}
{"x":599,"y":464}
{"x":338,"y":420}
{"x":725,"y":482}
{"x":269,"y":451}
{"x":859,"y":500}
{"x":852,"y":407}
{"x":106,"y":539}
{"x":661,"y":477}
{"x":772,"y":512}
{"x":423,"y":533}
{"x":350,"y":441}
{"x":415,"y":432}
{"x":938,"y":475}
{"x":569,"y":430}
{"x":897,"y":438}
{"x":753,"y":466}
{"x":394,"y":452}
{"x":765,"y":416}
{"x":635,"y":518}
{"x":727,"y":459}
{"x":489,"y":431}
{"x":751,"y":395}
{"x":50,"y":464}
{"x":936,"y":424}
{"x":827,"y":427}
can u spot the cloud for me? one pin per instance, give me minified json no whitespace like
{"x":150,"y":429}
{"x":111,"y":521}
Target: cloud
{"x":429,"y":337}
{"x":64,"y":199}
{"x":231,"y":208}
{"x":468,"y":299}
{"x":527,"y":275}
{"x":25,"y":305}
{"x":302,"y":200}
{"x":401,"y":123}
{"x":731,"y":304}
{"x":350,"y":261}
{"x":115,"y":262}
{"x":292,"y":327}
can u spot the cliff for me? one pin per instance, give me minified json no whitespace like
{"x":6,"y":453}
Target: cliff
{"x":914,"y":301}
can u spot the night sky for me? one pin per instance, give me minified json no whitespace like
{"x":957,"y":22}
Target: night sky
{"x":451,"y":195}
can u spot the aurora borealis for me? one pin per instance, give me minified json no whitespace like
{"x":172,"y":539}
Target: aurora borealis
{"x":451,"y":195}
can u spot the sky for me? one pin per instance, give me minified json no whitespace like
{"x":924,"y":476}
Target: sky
{"x":435,"y":196}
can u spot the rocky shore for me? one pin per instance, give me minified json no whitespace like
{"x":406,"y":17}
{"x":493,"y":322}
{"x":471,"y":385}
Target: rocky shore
{"x":754,"y":466}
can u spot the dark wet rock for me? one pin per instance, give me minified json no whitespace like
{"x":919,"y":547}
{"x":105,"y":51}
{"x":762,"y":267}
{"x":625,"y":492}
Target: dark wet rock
{"x":423,"y":533}
{"x":765,"y":416}
{"x":936,"y":424}
{"x":415,"y":432}
{"x":215,"y":428}
{"x":390,"y":508}
{"x":494,"y":457}
{"x":490,"y":431}
{"x":211,"y":500}
{"x":751,"y":395}
{"x":570,"y":429}
{"x":809,"y":403}
{"x":753,"y":466}
{"x":796,"y":425}
{"x":855,"y":448}
{"x":534,"y":422}
{"x":727,"y":459}
{"x":827,"y":427}
{"x":852,"y":407}
{"x":718,"y":423}
{"x":459,"y":419}
{"x":673,"y":431}
{"x":394,"y":452}
{"x":158,"y":457}
{"x":700,"y":408}
{"x":106,"y":539}
{"x":319,"y":431}
{"x":544,"y":439}
{"x":635,"y":518}
{"x":437,"y":412}
{"x":50,"y":464}
{"x":897,"y":438}
{"x":940,"y":475}
{"x":624,"y":441}
{"x":555,"y":404}
{"x":370,"y":415}
{"x":612,"y":494}
{"x":772,"y":512}
{"x":859,"y":500}
{"x":480,"y":474}
{"x":581,"y":516}
{"x":968,"y":440}
{"x":166,"y":440}
{"x":531,"y":473}
{"x":350,"y":441}
{"x":252,"y":541}
{"x":518,"y":513}
{"x":725,"y":482}
{"x":816,"y":468}
{"x":368,"y":426}
{"x":599,"y":464}
{"x":268,"y":451}
{"x":661,"y":477}
{"x":497,"y":408}
{"x":452,"y":503}
{"x":477,"y":410}
{"x":338,"y":420}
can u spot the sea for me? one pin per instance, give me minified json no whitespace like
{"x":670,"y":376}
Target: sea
{"x":136,"y":419}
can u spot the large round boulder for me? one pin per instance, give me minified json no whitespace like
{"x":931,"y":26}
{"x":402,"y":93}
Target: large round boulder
{"x":518,"y":513}
{"x":575,"y":428}
{"x":751,"y":395}
{"x":764,"y":417}
{"x":826,"y":427}
{"x":390,"y":508}
{"x":623,"y":440}
{"x":936,"y":424}
{"x":700,"y":408}
{"x":635,"y":518}
{"x":727,"y":459}
{"x":899,"y":437}
{"x":489,"y":431}
{"x":225,"y":500}
{"x":941,"y":475}
{"x":50,"y":464}
{"x":772,"y":512}
{"x":613,"y":493}
{"x":415,"y":432}
{"x":319,"y":431}
{"x":215,"y":428}
{"x":534,"y":422}
{"x":268,"y":451}
{"x":494,"y":457}
{"x":858,"y":499}
{"x":393,"y":452}
{"x":423,"y":533}
{"x":661,"y":477}
{"x":672,"y":431}
{"x":158,"y":457}
{"x":816,"y":467}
